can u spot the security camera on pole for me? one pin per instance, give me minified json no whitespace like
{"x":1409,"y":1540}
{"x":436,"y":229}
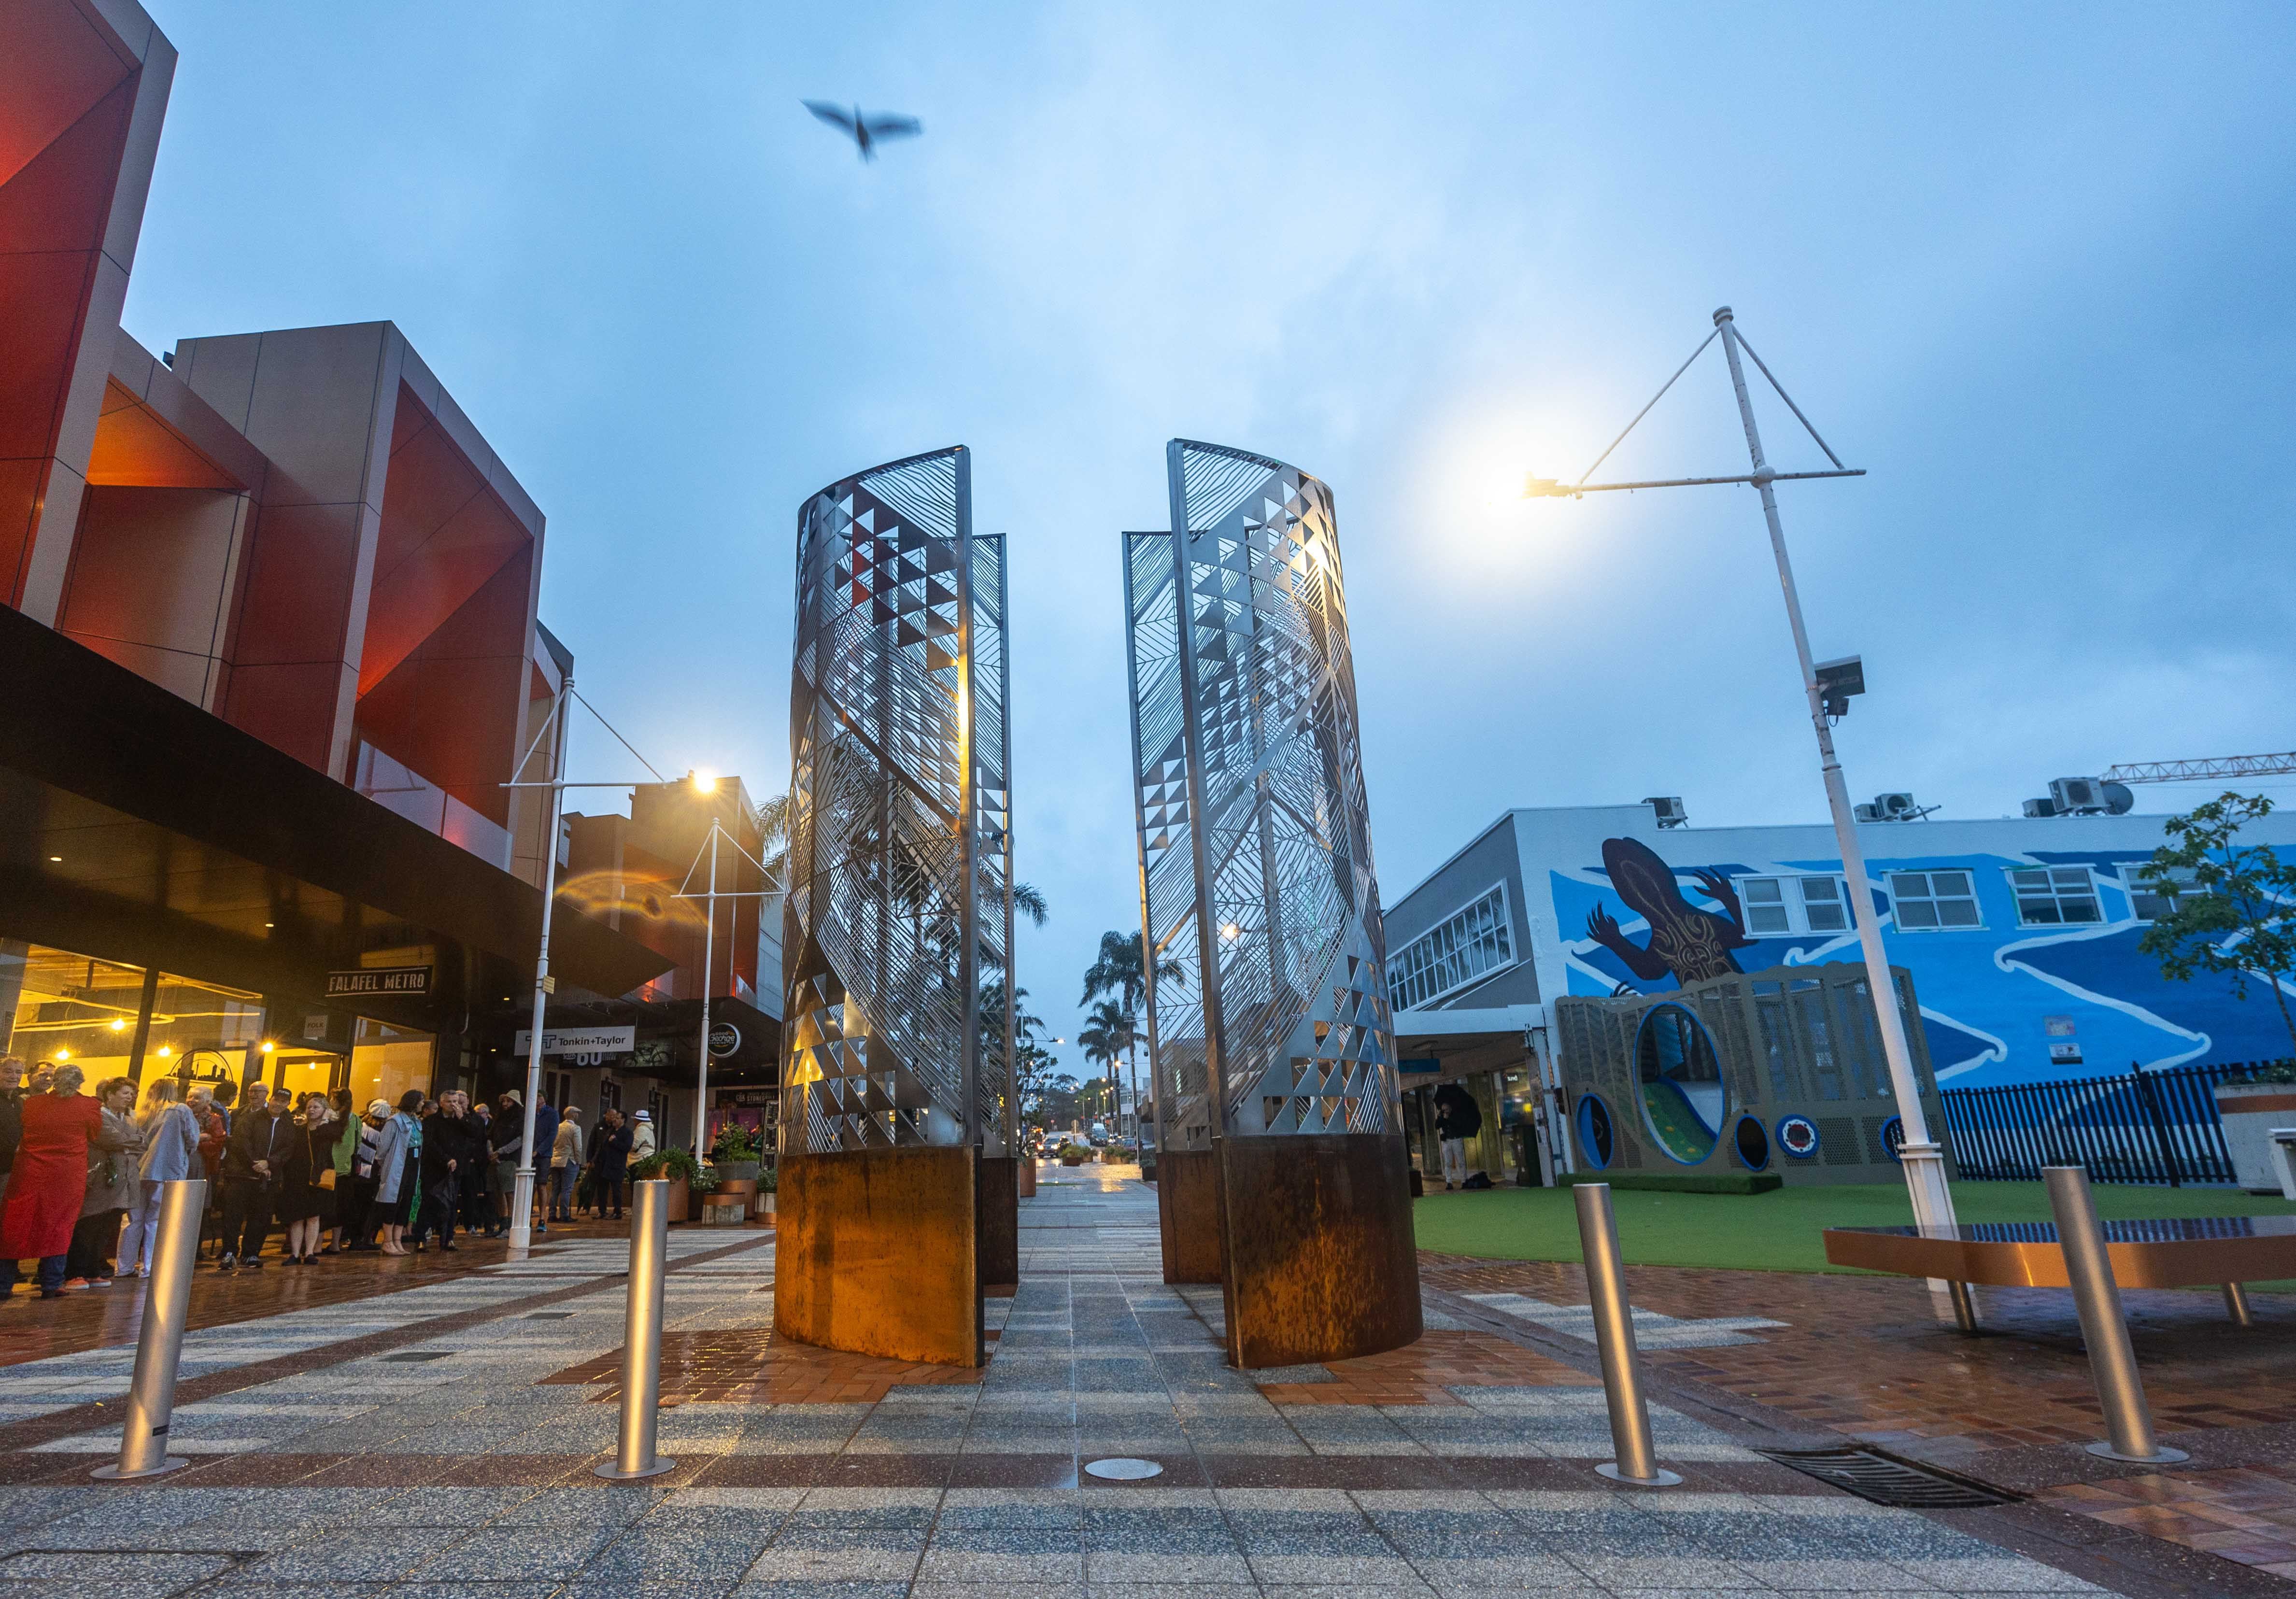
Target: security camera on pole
{"x":1828,"y":688}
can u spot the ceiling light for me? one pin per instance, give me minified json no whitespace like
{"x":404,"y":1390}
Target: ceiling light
{"x":63,"y":1055}
{"x":165,"y":1052}
{"x":271,"y":924}
{"x":56,"y":858}
{"x":268,"y":1046}
{"x":120,"y":1024}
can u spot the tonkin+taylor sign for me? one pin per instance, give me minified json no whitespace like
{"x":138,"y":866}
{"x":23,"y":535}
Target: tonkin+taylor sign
{"x":581,"y":1040}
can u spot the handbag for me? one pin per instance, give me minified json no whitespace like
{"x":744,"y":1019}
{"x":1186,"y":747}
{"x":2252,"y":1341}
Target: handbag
{"x":327,"y":1176}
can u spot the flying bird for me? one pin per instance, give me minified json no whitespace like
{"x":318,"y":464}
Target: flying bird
{"x":863,"y":129}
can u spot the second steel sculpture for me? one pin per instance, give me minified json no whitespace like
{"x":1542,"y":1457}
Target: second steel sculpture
{"x":1283,"y":1172}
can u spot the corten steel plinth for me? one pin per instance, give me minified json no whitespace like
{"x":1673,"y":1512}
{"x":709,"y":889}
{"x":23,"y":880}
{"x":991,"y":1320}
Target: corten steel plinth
{"x":897,"y":1072}
{"x":997,"y":1204}
{"x":1187,"y":1214}
{"x":1279,"y":1127}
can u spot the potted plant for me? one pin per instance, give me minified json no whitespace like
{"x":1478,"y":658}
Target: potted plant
{"x":736,"y":1153}
{"x":688,"y":1179}
{"x":2251,"y":1107}
{"x":769,"y":1183}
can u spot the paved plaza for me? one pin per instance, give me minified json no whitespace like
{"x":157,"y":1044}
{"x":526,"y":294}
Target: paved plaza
{"x":437,"y":1439}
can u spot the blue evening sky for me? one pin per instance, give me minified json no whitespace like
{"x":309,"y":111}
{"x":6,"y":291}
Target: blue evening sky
{"x":2030,"y":265}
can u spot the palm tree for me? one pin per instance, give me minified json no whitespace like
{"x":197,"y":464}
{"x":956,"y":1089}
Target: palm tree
{"x":1118,"y":970}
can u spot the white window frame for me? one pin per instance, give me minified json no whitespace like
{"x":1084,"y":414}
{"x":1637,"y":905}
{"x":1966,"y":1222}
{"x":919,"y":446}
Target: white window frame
{"x":1795,"y":902}
{"x":2133,"y":885}
{"x":2056,"y":893}
{"x":1933,"y":897}
{"x":1504,"y":925}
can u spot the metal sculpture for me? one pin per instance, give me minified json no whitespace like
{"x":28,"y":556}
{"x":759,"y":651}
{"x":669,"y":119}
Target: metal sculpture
{"x":1248,"y":778}
{"x":899,"y":820}
{"x":899,"y":896}
{"x":1256,"y":863}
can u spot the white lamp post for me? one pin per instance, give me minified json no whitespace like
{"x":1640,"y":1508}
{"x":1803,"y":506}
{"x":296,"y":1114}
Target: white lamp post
{"x":1924,"y":1162}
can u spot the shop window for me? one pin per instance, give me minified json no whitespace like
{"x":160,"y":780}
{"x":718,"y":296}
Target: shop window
{"x":386,"y":1060}
{"x":1681,"y":1083}
{"x":66,"y":1008}
{"x":1927,"y":900}
{"x":2054,"y":896}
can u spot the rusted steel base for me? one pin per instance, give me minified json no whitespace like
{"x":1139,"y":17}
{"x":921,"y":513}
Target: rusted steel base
{"x":877,"y":1254}
{"x":1187,"y":1214}
{"x":1028,"y":1168}
{"x":1321,"y":1262}
{"x":1000,"y":1218}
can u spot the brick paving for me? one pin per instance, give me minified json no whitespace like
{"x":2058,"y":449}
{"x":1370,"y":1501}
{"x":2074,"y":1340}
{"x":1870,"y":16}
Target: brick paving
{"x":412,"y":1440}
{"x":1865,"y":1356}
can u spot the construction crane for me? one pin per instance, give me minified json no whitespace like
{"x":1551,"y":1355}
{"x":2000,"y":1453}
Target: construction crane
{"x":2185,"y":771}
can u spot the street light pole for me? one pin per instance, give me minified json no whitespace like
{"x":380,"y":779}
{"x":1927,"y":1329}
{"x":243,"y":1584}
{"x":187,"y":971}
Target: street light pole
{"x":708,"y":973}
{"x":521,"y":1208}
{"x":1924,"y":1161}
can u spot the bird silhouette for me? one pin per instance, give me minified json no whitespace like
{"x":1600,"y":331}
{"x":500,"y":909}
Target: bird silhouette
{"x":863,"y":129}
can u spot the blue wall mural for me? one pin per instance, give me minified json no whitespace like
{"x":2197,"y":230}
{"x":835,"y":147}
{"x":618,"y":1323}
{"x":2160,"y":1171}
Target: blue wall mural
{"x":2001,"y":1002}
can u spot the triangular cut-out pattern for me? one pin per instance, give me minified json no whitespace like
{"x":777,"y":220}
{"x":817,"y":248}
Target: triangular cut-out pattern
{"x":1273,"y":807}
{"x":876,"y":959}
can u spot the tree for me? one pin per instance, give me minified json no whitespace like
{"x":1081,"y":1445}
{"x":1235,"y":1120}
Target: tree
{"x":2231,"y":905}
{"x":1119,"y":971}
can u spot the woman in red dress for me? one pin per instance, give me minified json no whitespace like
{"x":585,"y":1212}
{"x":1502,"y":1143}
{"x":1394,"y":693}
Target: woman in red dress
{"x":49,"y":1180}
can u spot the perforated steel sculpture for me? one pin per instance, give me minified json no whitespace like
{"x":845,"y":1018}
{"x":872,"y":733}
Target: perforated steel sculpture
{"x":1257,"y":876}
{"x":900,"y":846}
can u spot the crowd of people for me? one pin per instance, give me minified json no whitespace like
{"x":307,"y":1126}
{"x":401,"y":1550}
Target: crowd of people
{"x":80,"y":1174}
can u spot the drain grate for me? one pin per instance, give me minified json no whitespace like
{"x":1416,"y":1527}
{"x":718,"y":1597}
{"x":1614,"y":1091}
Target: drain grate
{"x":549,"y":1316}
{"x":1886,"y":1479}
{"x":408,"y":1356}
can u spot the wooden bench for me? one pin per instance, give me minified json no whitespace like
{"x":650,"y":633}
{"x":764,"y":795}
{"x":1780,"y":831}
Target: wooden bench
{"x":2180,"y":1253}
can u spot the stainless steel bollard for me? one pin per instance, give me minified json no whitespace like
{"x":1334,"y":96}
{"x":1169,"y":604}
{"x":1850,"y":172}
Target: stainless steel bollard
{"x":642,"y":1336}
{"x":160,"y":1344}
{"x":2104,"y":1328}
{"x":1614,"y":1341}
{"x":2236,"y":1304}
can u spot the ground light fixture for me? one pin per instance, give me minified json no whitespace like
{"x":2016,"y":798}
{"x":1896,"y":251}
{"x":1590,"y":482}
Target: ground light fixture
{"x":1924,"y":1163}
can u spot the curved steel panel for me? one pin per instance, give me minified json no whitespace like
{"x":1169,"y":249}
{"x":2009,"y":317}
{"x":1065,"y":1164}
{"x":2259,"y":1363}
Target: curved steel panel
{"x":899,"y":835}
{"x":1254,"y":840}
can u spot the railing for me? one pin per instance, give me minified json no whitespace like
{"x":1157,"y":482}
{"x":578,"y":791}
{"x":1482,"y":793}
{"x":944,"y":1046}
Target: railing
{"x":2139,"y":1127}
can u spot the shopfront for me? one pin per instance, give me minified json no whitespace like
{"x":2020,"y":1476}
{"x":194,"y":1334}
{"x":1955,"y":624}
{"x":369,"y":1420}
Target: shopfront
{"x":1507,"y":1145}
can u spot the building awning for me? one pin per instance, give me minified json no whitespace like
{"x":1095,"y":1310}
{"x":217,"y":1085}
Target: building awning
{"x":137,"y":827}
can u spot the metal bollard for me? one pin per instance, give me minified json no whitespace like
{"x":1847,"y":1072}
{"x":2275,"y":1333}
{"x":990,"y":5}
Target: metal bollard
{"x":160,"y":1344}
{"x":642,"y":1336}
{"x":1614,"y":1341}
{"x":2104,"y":1328}
{"x":2236,"y":1304}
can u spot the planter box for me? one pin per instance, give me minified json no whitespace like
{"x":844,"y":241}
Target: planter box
{"x":736,"y":1171}
{"x":2250,"y":1111}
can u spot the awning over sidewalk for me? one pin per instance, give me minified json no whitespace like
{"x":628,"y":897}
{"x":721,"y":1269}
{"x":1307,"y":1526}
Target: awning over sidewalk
{"x":136,"y":826}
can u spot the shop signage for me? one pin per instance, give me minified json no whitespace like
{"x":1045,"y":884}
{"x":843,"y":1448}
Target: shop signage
{"x":725,"y":1038}
{"x":369,"y":982}
{"x":747,"y":1099}
{"x":1426,"y":1063}
{"x":579,"y":1040}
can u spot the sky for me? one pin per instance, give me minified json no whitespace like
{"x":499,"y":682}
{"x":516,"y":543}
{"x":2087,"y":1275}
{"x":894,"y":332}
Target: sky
{"x":2032,"y":266}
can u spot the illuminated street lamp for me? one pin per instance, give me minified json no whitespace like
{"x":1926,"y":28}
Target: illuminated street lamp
{"x":1826,"y":687}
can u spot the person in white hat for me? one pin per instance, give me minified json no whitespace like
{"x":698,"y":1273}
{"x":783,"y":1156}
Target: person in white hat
{"x":642,"y":1139}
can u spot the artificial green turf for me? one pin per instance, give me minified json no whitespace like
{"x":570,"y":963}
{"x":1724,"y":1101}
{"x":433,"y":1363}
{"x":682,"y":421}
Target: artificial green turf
{"x":1778,"y":1231}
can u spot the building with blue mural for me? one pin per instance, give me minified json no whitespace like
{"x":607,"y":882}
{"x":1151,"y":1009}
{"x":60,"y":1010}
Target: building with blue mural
{"x":2020,"y":933}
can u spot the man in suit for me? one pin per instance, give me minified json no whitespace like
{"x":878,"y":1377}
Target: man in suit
{"x":252,"y":1158}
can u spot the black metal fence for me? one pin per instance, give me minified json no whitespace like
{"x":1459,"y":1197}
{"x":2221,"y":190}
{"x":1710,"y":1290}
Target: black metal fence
{"x":2140,"y":1127}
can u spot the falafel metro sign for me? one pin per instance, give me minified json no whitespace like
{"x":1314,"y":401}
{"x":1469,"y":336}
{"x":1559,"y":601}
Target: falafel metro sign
{"x":579,"y":1040}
